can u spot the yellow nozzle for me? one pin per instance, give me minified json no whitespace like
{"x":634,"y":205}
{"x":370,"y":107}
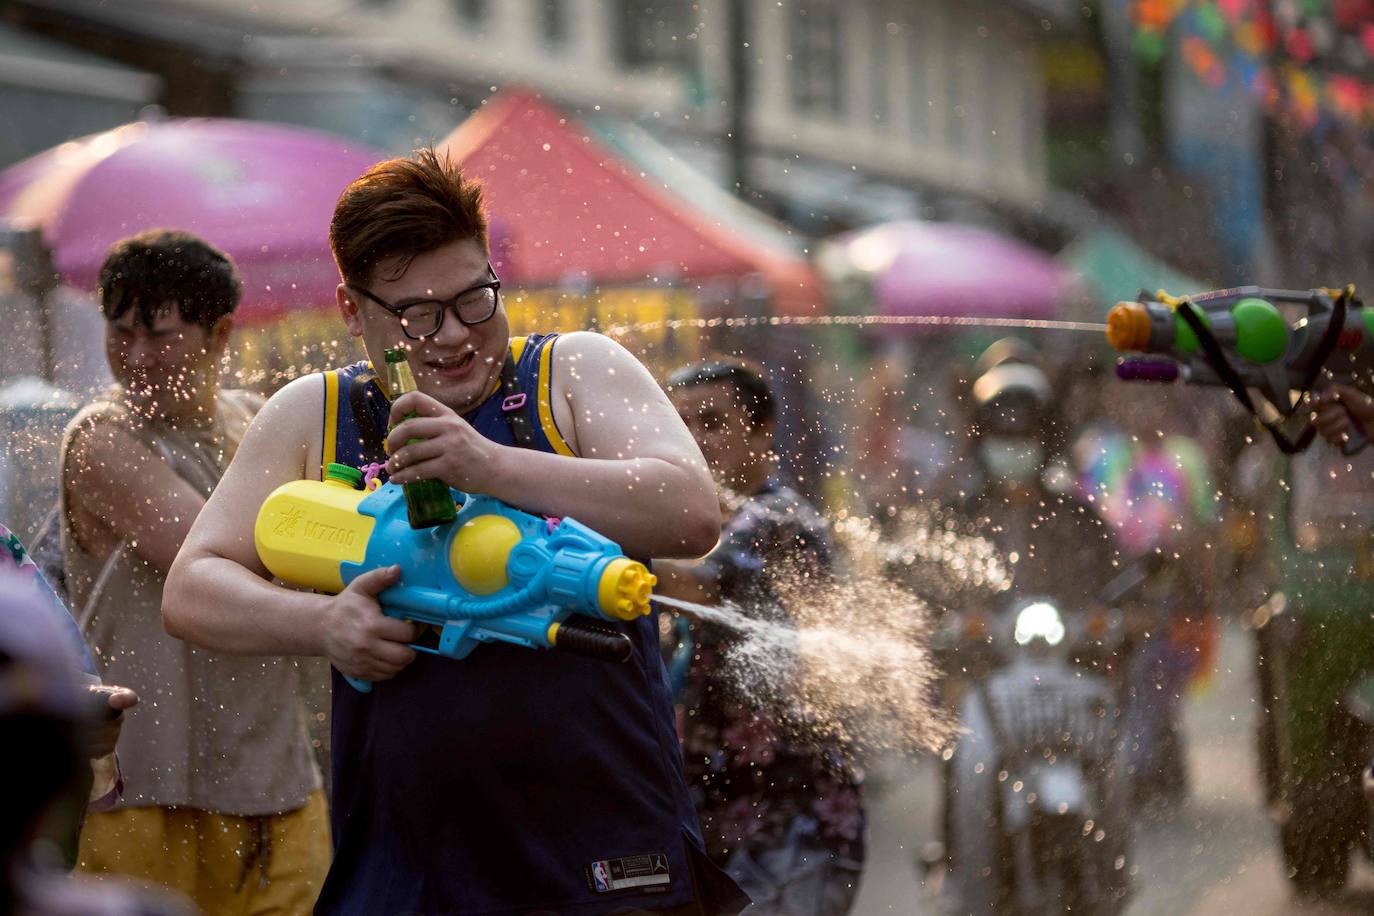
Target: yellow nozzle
{"x":625,"y":589}
{"x":1128,"y":327}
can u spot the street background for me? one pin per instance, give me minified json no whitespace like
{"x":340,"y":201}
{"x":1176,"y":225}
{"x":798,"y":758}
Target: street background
{"x":840,"y":190}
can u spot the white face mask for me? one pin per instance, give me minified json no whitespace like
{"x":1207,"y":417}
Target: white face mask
{"x":1011,"y":459}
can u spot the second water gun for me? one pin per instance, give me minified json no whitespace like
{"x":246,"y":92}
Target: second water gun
{"x":1240,"y":339}
{"x":493,"y":574}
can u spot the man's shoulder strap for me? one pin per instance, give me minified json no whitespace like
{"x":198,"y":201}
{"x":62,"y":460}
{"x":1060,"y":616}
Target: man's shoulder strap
{"x":513,"y":399}
{"x":371,"y":435}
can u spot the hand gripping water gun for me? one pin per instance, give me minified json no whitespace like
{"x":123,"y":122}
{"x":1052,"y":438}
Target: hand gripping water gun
{"x":1239,"y":338}
{"x":493,"y":574}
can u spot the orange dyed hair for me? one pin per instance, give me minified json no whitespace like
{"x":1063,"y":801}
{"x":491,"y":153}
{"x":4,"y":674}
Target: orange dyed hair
{"x":401,"y":208}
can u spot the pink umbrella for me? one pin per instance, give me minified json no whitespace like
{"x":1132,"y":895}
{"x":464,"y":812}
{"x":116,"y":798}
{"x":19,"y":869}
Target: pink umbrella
{"x":947,"y":269}
{"x":262,"y":192}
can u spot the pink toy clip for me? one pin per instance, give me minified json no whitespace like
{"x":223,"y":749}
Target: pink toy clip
{"x":371,"y":476}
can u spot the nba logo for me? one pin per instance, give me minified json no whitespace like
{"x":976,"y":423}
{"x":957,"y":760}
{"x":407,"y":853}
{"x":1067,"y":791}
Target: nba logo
{"x":601,"y":875}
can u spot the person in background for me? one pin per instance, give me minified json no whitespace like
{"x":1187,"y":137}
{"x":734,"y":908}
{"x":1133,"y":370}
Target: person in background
{"x":1338,"y":412}
{"x":1023,"y":501}
{"x":222,"y":794}
{"x":1152,"y":484}
{"x":50,"y":722}
{"x":1313,"y":515}
{"x":1021,"y":498}
{"x":784,"y":819}
{"x":101,"y":785}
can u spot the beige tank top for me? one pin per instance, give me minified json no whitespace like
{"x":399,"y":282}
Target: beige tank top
{"x":224,"y":733}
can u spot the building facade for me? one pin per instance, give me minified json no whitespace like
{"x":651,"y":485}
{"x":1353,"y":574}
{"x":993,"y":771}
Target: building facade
{"x":859,"y":109}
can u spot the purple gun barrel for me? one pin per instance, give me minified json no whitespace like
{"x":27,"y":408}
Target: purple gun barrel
{"x":1141,"y":369}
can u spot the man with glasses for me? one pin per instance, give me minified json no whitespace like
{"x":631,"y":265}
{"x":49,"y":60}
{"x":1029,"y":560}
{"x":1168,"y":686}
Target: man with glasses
{"x":513,"y":781}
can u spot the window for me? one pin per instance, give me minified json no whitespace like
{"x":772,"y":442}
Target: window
{"x":816,"y":59}
{"x":655,"y":32}
{"x":880,"y":63}
{"x":957,"y":68}
{"x":918,"y":70}
{"x":1004,"y":80}
{"x":472,"y":11}
{"x":553,"y":22}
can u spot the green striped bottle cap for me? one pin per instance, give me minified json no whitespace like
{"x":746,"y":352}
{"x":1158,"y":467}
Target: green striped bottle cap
{"x":344,"y":474}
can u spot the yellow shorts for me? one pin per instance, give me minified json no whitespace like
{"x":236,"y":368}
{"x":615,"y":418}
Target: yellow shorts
{"x":227,"y":865}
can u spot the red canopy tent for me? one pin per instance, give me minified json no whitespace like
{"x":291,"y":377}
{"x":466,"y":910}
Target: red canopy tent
{"x":568,"y":211}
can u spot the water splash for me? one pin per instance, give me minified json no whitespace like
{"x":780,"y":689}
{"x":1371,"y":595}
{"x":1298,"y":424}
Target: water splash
{"x":934,"y":554}
{"x":854,"y":670}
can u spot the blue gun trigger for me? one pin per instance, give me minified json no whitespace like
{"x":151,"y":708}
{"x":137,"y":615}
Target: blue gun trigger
{"x":358,"y":683}
{"x":455,"y":640}
{"x":529,"y":628}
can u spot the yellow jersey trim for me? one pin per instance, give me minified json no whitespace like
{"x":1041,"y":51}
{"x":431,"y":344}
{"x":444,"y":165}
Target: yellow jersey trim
{"x":546,"y":402}
{"x":331,"y":420}
{"x":516,"y":347}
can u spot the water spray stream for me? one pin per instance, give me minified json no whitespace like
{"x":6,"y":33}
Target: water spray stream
{"x":727,"y":615}
{"x":853,"y":671}
{"x":956,"y":321}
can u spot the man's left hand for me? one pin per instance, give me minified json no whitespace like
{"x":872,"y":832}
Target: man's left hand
{"x":104,"y":733}
{"x":445,"y":446}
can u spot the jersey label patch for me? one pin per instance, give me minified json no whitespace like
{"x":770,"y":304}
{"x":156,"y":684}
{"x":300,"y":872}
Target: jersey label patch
{"x":647,"y":871}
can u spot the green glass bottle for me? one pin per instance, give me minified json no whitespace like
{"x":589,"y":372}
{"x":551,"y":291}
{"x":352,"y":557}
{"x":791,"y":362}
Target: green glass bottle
{"x":428,"y":502}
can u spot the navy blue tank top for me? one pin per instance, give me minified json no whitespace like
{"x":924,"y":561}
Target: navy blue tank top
{"x":515,"y":781}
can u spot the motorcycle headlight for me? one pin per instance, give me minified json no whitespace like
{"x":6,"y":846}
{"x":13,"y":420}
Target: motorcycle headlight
{"x":1039,"y":620}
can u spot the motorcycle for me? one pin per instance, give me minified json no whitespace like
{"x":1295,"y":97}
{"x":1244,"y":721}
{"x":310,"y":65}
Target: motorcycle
{"x":1035,"y":814}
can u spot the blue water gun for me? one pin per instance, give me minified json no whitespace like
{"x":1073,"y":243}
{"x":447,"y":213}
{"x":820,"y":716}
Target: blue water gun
{"x":493,"y":574}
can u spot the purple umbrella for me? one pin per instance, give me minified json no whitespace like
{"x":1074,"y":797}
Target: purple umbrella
{"x":947,"y":269}
{"x":262,"y":192}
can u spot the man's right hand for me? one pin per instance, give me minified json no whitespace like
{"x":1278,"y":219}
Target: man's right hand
{"x":1336,"y":407}
{"x":359,"y":639}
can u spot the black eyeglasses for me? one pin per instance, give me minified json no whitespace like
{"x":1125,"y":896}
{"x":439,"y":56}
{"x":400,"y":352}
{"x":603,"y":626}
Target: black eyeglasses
{"x":424,"y":318}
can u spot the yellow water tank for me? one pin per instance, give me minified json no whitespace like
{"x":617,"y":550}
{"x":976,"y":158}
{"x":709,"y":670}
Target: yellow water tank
{"x":306,"y":528}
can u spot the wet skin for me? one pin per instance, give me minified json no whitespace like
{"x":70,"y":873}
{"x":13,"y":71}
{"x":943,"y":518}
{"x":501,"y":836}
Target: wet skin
{"x":169,"y":369}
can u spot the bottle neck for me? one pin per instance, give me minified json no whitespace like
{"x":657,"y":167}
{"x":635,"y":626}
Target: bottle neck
{"x":399,"y":379}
